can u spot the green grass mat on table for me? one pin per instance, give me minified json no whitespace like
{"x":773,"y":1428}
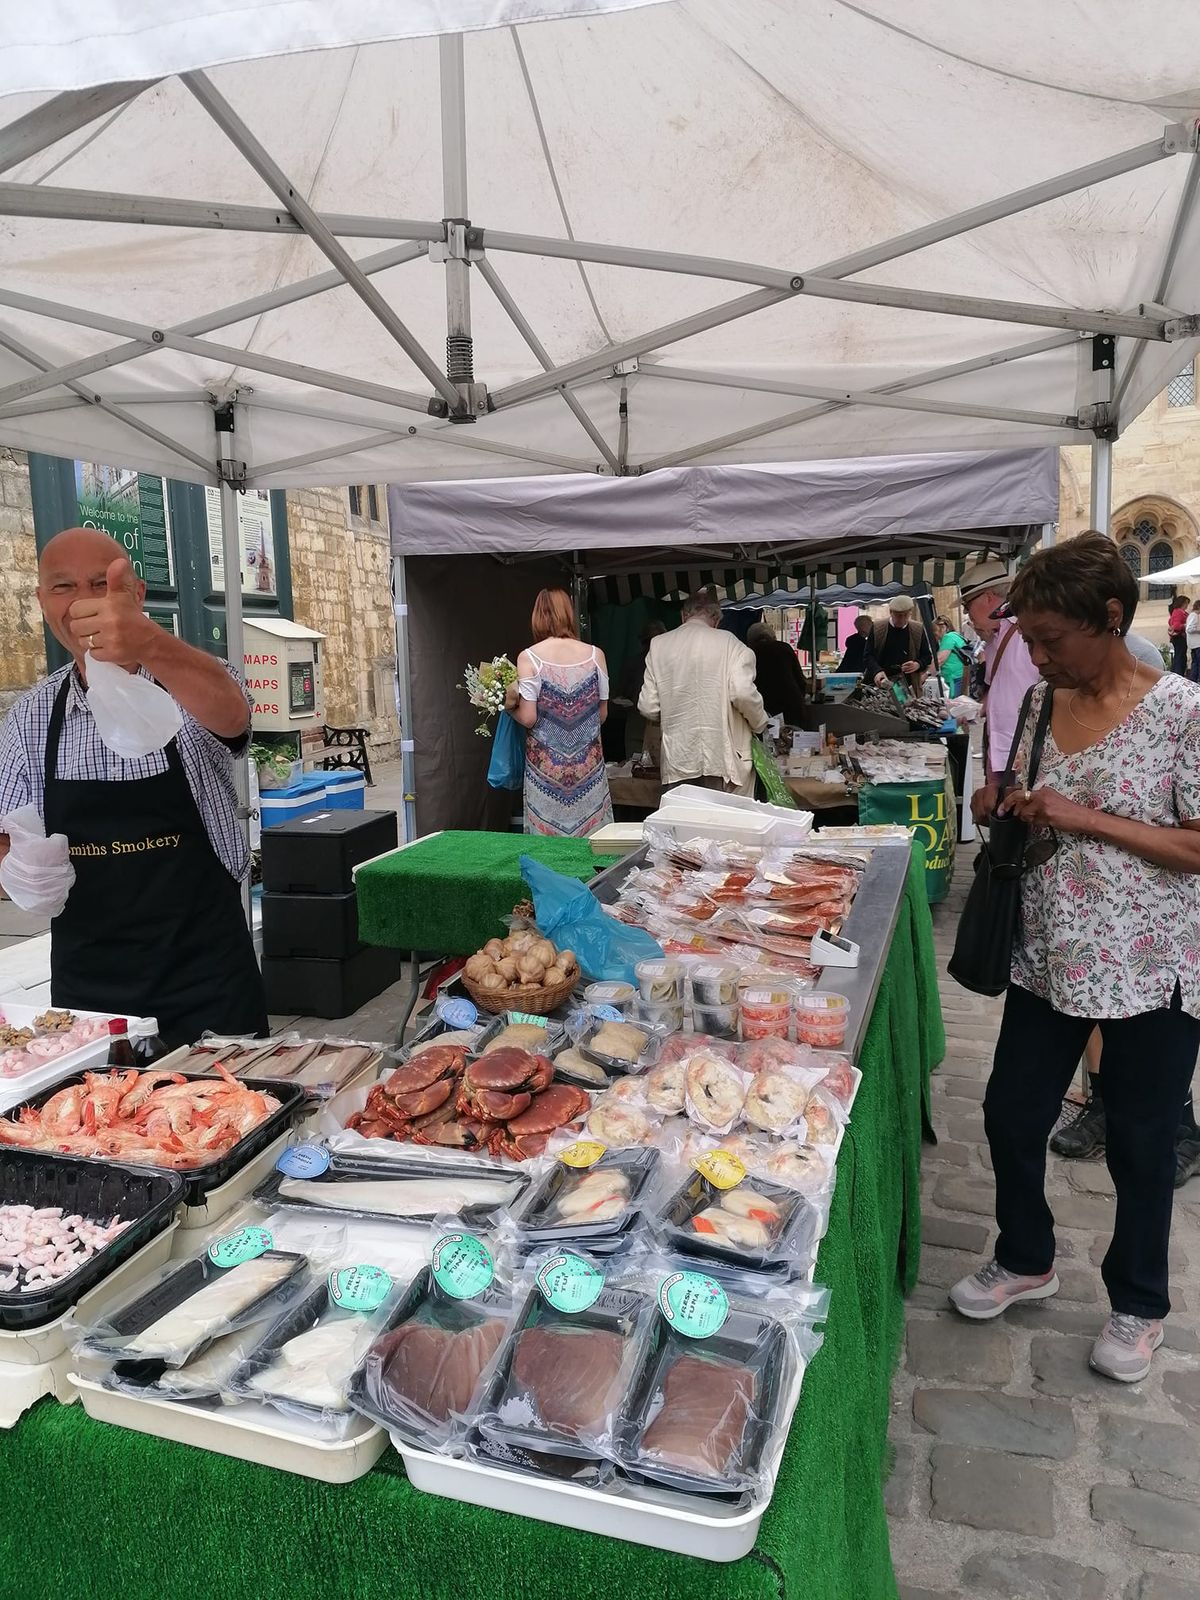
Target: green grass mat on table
{"x":180,"y":1519}
{"x":447,"y":894}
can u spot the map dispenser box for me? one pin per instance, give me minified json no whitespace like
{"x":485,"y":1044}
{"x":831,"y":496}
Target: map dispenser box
{"x":317,"y":855}
{"x":312,"y":926}
{"x":328,"y":988}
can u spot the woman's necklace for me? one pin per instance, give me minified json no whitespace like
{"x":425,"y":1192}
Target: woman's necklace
{"x":1105,"y":726}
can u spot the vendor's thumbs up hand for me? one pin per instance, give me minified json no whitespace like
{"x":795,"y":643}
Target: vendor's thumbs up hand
{"x":113,"y":626}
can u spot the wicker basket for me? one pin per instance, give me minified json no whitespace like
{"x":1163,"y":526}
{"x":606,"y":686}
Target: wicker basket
{"x":535,"y":998}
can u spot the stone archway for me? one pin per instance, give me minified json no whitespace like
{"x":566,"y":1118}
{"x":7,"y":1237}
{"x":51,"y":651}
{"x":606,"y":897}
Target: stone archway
{"x":1153,"y":533}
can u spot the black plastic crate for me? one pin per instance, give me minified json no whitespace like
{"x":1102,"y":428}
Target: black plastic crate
{"x":317,"y":854}
{"x":310,"y":926}
{"x":329,"y":988}
{"x":145,"y":1196}
{"x":198,"y":1181}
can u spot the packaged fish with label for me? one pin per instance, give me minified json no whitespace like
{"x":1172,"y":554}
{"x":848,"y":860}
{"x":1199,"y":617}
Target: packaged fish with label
{"x":566,"y":1369}
{"x":621,"y":1046}
{"x":423,"y":1377}
{"x":395,"y":1190}
{"x":723,"y":1212}
{"x":589,"y":1193}
{"x":303,"y":1364}
{"x":513,"y":1030}
{"x":710,"y":1409}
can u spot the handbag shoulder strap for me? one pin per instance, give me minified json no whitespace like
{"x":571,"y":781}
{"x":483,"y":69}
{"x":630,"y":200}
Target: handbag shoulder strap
{"x":1039,"y":736}
{"x":990,"y":675}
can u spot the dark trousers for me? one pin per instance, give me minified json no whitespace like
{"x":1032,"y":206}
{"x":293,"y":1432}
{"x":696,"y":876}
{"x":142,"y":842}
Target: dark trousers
{"x":1194,"y":673}
{"x":1147,"y":1068}
{"x":1179,"y":654}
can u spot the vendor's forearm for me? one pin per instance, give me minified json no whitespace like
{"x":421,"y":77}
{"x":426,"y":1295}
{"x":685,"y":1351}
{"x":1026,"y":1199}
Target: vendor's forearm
{"x":1176,"y":848}
{"x":199,"y":683}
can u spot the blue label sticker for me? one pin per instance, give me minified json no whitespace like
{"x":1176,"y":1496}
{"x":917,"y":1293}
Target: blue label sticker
{"x":303,"y":1161}
{"x":457,"y":1014}
{"x":608,"y":1014}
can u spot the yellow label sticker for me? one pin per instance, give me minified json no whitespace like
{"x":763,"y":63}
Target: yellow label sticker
{"x":583,"y":1153}
{"x":723,"y":1171}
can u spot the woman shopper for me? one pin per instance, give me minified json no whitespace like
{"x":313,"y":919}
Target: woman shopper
{"x":561,"y":696}
{"x":1109,"y":936}
{"x":1177,"y":631}
{"x":1192,"y":637}
{"x":953,"y":655}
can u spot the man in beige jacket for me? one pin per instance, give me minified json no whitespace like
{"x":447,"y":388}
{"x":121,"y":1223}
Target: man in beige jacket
{"x":699,"y":684}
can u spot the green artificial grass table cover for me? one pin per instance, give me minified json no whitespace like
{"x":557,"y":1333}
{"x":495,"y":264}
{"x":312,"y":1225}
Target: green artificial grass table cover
{"x":447,"y":894}
{"x":167,"y":1519}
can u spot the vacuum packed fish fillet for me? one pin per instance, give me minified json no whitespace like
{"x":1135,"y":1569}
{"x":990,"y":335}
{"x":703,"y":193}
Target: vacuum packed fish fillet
{"x":706,"y":1407}
{"x":435,"y":1368}
{"x":210,"y":1308}
{"x":572,"y":1375}
{"x":208,"y":1371}
{"x":402,"y":1197}
{"x":315,"y":1367}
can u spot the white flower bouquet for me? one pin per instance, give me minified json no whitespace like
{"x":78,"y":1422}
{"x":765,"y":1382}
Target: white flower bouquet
{"x":486,"y":686}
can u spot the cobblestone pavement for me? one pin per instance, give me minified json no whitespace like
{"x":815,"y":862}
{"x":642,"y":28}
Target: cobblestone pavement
{"x":1018,"y":1472}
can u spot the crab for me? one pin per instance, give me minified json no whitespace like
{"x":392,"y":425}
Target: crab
{"x":425,"y":1083}
{"x":501,"y":1085}
{"x":527,"y":1134}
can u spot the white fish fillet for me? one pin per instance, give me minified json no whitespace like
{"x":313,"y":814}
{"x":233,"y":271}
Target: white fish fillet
{"x":210,"y":1370}
{"x":208,"y":1310}
{"x":402,"y":1197}
{"x":315,"y":1367}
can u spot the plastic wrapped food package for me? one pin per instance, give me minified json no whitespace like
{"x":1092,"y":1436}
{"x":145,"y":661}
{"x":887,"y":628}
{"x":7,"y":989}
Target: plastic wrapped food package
{"x":752,"y":1223}
{"x":585,"y":1202}
{"x":610,"y":993}
{"x":766,"y":1008}
{"x":822,"y":1019}
{"x":714,"y":1091}
{"x":621,"y":1046}
{"x":661,"y":982}
{"x":714,"y":983}
{"x":717,"y":1022}
{"x":662,"y":1018}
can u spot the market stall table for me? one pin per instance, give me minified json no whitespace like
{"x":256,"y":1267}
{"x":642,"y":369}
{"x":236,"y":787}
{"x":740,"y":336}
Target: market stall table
{"x":445,"y":895}
{"x":264,"y":1535}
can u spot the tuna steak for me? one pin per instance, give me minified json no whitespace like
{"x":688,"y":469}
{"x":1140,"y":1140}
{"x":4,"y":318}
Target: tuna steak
{"x":433,"y":1368}
{"x":572,"y":1375}
{"x":706,"y":1406}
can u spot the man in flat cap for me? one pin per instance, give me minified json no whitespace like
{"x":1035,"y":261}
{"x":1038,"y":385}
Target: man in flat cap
{"x":1008,"y":672}
{"x":898,"y":649}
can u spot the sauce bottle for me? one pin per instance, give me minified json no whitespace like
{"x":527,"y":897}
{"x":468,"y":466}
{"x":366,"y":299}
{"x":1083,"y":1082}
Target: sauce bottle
{"x":146,"y":1045}
{"x":120,"y":1051}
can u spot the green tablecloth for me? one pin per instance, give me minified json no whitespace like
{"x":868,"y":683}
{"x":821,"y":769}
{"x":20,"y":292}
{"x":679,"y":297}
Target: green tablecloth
{"x":447,"y":894}
{"x":91,"y":1511}
{"x":929,"y":808}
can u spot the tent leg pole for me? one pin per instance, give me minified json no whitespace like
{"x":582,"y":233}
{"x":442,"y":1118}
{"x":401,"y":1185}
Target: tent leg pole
{"x":1101,"y":495}
{"x":230,"y":472}
{"x":408,"y":776}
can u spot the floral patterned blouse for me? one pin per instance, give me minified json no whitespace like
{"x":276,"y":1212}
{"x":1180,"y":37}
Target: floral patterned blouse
{"x":1104,"y":933}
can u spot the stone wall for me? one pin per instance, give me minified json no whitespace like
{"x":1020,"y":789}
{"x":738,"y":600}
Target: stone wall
{"x":341,"y":585}
{"x":22,"y":644}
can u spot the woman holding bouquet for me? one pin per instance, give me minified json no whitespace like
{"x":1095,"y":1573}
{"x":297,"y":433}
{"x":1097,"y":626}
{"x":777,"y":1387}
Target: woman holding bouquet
{"x":561,"y":697}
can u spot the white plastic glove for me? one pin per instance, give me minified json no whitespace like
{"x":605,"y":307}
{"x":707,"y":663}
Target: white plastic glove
{"x":36,"y":874}
{"x":133,"y":716}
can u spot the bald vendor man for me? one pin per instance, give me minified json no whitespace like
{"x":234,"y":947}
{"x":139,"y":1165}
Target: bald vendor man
{"x":153,"y":925}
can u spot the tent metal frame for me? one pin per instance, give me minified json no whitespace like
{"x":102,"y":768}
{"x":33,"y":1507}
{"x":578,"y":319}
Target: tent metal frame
{"x":456,"y":395}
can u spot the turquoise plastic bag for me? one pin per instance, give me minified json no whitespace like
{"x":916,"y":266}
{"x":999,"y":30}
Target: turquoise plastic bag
{"x":569,"y":915}
{"x":506,"y":769}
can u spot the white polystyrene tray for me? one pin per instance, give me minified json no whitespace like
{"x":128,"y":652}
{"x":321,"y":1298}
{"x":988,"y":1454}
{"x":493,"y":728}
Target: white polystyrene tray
{"x":22,"y":1385}
{"x":15,"y":1090}
{"x":226,"y":1196}
{"x":33,"y":1346}
{"x":242,"y":1431}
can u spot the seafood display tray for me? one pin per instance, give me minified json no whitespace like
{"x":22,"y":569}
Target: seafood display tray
{"x":218,"y":1202}
{"x":94,"y":1189}
{"x":238,"y":1431}
{"x":37,"y":1347}
{"x":714,"y":1533}
{"x":200,"y":1181}
{"x":16,"y":1091}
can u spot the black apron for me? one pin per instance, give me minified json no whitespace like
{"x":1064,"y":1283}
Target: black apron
{"x":154,"y":923}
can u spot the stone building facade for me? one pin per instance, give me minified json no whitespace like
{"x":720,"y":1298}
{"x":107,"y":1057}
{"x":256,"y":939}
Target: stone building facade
{"x":341,"y":585}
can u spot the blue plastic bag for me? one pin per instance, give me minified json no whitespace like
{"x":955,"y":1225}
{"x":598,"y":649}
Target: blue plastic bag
{"x":569,"y":915}
{"x":506,"y":769}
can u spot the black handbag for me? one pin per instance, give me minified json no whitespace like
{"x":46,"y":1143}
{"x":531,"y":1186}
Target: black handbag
{"x":982,"y":959}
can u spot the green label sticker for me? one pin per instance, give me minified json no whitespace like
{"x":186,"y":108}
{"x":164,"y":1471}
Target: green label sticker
{"x":693,"y":1304}
{"x":462,"y":1266}
{"x":233,"y":1248}
{"x":569,"y":1283}
{"x":522,"y":1016}
{"x":360,"y":1288}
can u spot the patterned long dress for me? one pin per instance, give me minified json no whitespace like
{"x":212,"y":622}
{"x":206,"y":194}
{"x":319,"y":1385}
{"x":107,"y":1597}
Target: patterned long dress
{"x":566,"y":786}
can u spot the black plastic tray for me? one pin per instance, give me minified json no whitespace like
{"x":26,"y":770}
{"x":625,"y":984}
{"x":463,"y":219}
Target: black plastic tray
{"x":752,"y":1340}
{"x":697,"y":1195}
{"x":173,"y":1290}
{"x":97,"y":1190}
{"x":536,"y":1227}
{"x":199,"y":1181}
{"x":356,"y":1169}
{"x":616,"y":1310}
{"x":586,"y":1472}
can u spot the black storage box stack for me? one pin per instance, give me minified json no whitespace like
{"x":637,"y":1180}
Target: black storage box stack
{"x":313,"y":960}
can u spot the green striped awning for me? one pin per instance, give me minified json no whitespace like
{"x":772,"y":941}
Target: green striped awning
{"x":748,"y":582}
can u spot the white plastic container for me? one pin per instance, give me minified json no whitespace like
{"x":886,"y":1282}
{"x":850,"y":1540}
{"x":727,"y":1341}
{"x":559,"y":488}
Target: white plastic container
{"x":21,"y":1386}
{"x":226,"y":1196}
{"x":239,"y":1431}
{"x":88,"y":1056}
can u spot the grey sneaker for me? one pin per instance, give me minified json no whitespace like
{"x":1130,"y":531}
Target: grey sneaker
{"x":1126,"y":1347}
{"x":994,"y":1288}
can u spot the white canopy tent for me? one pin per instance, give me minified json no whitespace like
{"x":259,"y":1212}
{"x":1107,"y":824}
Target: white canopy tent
{"x":643,"y":235}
